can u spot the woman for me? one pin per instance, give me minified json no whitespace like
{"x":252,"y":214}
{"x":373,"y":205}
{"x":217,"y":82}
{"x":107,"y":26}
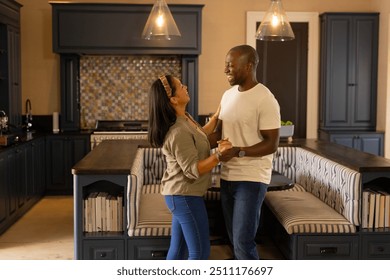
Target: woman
{"x":187,"y":151}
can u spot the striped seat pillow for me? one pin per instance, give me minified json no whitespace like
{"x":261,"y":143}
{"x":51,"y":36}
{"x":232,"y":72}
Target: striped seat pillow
{"x":302,"y":212}
{"x":151,"y":217}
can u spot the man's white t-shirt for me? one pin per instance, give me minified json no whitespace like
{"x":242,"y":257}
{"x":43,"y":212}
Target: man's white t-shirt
{"x":243,"y":115}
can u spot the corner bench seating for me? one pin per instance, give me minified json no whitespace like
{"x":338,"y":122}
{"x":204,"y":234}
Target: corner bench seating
{"x":316,"y":219}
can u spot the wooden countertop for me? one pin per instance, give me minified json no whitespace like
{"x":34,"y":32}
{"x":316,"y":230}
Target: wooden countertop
{"x":352,"y":158}
{"x":109,"y":157}
{"x":116,"y":156}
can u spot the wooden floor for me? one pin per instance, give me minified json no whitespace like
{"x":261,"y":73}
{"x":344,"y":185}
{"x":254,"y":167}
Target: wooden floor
{"x":46,"y":233}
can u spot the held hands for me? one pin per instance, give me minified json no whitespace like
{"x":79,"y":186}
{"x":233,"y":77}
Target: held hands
{"x":225,"y":150}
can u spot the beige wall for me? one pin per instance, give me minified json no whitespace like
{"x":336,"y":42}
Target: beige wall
{"x":383,"y":115}
{"x":224,"y":25}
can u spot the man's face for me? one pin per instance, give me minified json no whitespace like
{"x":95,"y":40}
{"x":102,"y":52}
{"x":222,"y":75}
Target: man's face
{"x":235,"y":68}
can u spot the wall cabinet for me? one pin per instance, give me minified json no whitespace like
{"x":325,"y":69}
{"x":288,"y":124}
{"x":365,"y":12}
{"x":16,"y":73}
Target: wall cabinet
{"x":117,"y":28}
{"x":10,"y":65}
{"x":369,"y":142}
{"x":22,"y":181}
{"x":348,"y":78}
{"x":62,"y":152}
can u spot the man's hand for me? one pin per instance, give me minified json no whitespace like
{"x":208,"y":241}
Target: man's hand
{"x":229,"y":154}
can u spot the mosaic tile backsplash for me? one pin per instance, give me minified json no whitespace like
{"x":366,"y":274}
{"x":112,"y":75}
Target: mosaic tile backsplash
{"x":117,"y":87}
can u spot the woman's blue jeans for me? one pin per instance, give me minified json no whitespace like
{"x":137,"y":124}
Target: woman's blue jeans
{"x":241,"y":206}
{"x":190,"y":228}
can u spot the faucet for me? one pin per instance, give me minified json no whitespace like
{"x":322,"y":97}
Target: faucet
{"x":28,"y":114}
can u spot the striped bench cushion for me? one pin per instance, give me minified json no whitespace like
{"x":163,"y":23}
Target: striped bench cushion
{"x":149,"y":215}
{"x":302,"y":212}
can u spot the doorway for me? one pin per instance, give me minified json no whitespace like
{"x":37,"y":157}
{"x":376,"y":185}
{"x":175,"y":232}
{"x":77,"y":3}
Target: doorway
{"x":312,"y":19}
{"x":283,"y":69}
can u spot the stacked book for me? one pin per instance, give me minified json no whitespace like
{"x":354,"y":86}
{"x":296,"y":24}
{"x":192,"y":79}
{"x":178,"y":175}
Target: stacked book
{"x":375,"y":208}
{"x":103,"y":212}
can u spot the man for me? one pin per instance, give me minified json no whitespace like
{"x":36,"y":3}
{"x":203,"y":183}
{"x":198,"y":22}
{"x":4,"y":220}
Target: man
{"x":250,"y":120}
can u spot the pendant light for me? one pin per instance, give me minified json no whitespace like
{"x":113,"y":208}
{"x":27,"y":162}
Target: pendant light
{"x":275,"y":25}
{"x":160,"y":23}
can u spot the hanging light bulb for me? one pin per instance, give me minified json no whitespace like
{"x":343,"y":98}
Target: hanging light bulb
{"x":160,"y":23}
{"x":275,"y":25}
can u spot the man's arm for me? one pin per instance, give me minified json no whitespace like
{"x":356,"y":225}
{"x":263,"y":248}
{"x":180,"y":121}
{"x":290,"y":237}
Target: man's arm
{"x":268,"y":146}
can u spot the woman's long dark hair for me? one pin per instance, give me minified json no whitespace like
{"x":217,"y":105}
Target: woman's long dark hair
{"x":161,"y":113}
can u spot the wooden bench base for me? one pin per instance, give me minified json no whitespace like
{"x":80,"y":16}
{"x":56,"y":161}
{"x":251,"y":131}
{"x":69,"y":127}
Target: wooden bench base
{"x":310,"y":246}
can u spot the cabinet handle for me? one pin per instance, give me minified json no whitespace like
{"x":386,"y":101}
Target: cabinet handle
{"x":380,"y":249}
{"x":103,"y":255}
{"x":159,"y":254}
{"x":328,"y":250}
{"x":351,"y":85}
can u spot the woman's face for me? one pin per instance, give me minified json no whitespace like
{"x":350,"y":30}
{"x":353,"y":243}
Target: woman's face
{"x":181,"y":92}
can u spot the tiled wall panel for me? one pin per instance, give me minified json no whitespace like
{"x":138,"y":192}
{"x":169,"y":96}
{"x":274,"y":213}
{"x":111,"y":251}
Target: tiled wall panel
{"x":117,"y":87}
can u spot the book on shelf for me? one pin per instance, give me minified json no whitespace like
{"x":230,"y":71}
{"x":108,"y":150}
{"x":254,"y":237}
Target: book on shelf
{"x":371,"y":208}
{"x":382,"y":199}
{"x":365,"y":208}
{"x":100,"y":211}
{"x":377,"y":209}
{"x":92,"y":211}
{"x":120,"y":212}
{"x":387,"y":210}
{"x":114,"y":213}
{"x":108,"y":213}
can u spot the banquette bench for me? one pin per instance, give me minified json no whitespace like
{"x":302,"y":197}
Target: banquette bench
{"x":316,"y":219}
{"x":319,"y":216}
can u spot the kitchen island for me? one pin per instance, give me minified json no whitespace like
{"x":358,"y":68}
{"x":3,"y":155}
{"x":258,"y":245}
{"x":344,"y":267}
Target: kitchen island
{"x":105,"y":169}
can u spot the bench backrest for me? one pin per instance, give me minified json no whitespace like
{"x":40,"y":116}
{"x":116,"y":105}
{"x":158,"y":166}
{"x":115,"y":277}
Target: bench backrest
{"x":336,"y":185}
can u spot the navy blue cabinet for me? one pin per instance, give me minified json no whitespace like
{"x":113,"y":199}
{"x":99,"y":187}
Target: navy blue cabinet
{"x":22,"y":179}
{"x":62,"y":152}
{"x":10,"y":64}
{"x":348,"y":80}
{"x":369,"y":142}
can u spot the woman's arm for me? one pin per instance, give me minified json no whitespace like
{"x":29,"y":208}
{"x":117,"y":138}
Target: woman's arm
{"x":210,"y":126}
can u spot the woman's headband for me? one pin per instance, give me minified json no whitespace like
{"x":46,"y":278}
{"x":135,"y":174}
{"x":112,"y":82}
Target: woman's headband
{"x":166,"y":85}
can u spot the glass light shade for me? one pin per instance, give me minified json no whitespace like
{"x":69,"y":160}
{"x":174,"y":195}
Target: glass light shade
{"x":160,"y":23}
{"x":275,"y":25}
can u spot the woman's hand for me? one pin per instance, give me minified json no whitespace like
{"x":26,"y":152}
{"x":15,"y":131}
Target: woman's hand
{"x":224,"y":145}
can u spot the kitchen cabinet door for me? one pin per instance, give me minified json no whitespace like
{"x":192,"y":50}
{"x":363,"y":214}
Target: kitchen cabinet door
{"x":10,"y":64}
{"x":367,"y":142}
{"x":348,"y":79}
{"x":35,"y":168}
{"x":22,"y":180}
{"x":62,"y":152}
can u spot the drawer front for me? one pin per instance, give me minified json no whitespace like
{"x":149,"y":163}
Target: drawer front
{"x":323,"y":247}
{"x":376,"y":246}
{"x":148,"y":248}
{"x":104,"y":250}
